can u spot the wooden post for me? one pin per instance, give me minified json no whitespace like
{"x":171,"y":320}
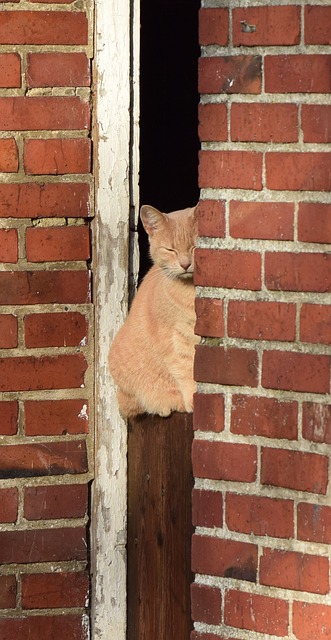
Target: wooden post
{"x":160,"y":483}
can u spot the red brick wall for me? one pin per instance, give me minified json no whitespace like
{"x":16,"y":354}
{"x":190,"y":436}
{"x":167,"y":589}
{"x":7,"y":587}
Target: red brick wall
{"x":46,"y":333}
{"x":261,"y":504}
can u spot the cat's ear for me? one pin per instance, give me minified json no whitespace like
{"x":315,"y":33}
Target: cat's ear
{"x":152,"y":219}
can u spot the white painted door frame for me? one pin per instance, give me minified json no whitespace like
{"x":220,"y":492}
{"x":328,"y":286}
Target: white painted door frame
{"x":116,"y":85}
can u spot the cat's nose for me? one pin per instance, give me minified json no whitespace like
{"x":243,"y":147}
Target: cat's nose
{"x":185,"y":263}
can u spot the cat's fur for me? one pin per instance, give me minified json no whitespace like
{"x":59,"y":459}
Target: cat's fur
{"x":151,"y":358}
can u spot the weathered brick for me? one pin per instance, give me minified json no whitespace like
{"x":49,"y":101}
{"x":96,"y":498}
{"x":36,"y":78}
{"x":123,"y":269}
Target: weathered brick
{"x":8,"y":504}
{"x":8,"y":417}
{"x":8,"y":155}
{"x":315,"y":323}
{"x":298,"y":271}
{"x":227,"y":268}
{"x":296,"y":371}
{"x":8,"y":589}
{"x":300,"y":73}
{"x":66,"y":627}
{"x":43,"y":545}
{"x":53,"y":502}
{"x":43,"y":459}
{"x":316,"y":123}
{"x":307,"y":171}
{"x":54,"y":590}
{"x":220,"y":557}
{"x":261,"y":320}
{"x":46,"y":244}
{"x":266,"y":417}
{"x":67,"y":329}
{"x":32,"y":200}
{"x":213,"y":122}
{"x":43,"y":27}
{"x":208,"y":412}
{"x":207,"y":508}
{"x":26,"y":373}
{"x":56,"y":417}
{"x":42,"y":287}
{"x":317,"y":25}
{"x":230,"y":170}
{"x":255,"y":612}
{"x":22,"y":113}
{"x":316,"y":422}
{"x":8,"y":331}
{"x":206,"y":603}
{"x":58,"y":156}
{"x":264,"y":122}
{"x":311,"y":621}
{"x":58,"y":70}
{"x":211,"y":218}
{"x":10,"y":70}
{"x":295,"y":470}
{"x":210,"y":319}
{"x":314,"y":523}
{"x":8,"y":245}
{"x":266,"y":26}
{"x":224,"y":461}
{"x":260,"y":515}
{"x":297,"y":571}
{"x":230,"y":74}
{"x":314,"y":222}
{"x":213,"y":26}
{"x":262,"y":220}
{"x":230,"y":366}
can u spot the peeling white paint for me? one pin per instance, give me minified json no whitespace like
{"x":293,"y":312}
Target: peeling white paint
{"x":83,"y":413}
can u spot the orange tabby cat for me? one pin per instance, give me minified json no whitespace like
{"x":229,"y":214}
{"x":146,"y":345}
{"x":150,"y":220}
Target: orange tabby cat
{"x":151,"y":358}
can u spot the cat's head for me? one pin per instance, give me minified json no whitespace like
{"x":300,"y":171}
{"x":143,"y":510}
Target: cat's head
{"x":172,"y":239}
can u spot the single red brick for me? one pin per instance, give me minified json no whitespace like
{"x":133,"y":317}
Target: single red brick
{"x":262,"y":220}
{"x":58,"y":70}
{"x":316,"y":123}
{"x":224,"y":461}
{"x":210,"y":320}
{"x":256,"y":613}
{"x":8,"y":589}
{"x":318,"y":25}
{"x":47,"y":244}
{"x":43,"y":545}
{"x":298,"y":171}
{"x":8,"y":155}
{"x":230,"y":74}
{"x":57,"y":156}
{"x":266,"y":26}
{"x":261,"y":320}
{"x":52,"y":200}
{"x":298,"y":271}
{"x":55,"y":329}
{"x":26,"y":373}
{"x":42,"y":287}
{"x":311,"y":621}
{"x":221,"y":557}
{"x":21,"y":113}
{"x":52,"y":458}
{"x":264,"y":122}
{"x":8,"y":417}
{"x":213,"y":122}
{"x":316,"y":422}
{"x":53,"y":502}
{"x":8,"y":505}
{"x":54,"y":590}
{"x":208,"y":412}
{"x":227,"y":268}
{"x":213,"y":26}
{"x":297,"y":571}
{"x":8,"y":331}
{"x":8,"y":245}
{"x":230,"y":170}
{"x":314,"y":222}
{"x":207,"y":508}
{"x":206,"y":603}
{"x":43,"y":27}
{"x":56,"y":417}
{"x":266,"y":417}
{"x":315,"y":323}
{"x":66,"y":627}
{"x":211,"y":218}
{"x":10,"y":70}
{"x":300,"y":73}
{"x":229,"y":366}
{"x":314,"y":523}
{"x":296,"y":371}
{"x":260,"y":515}
{"x":296,"y":470}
